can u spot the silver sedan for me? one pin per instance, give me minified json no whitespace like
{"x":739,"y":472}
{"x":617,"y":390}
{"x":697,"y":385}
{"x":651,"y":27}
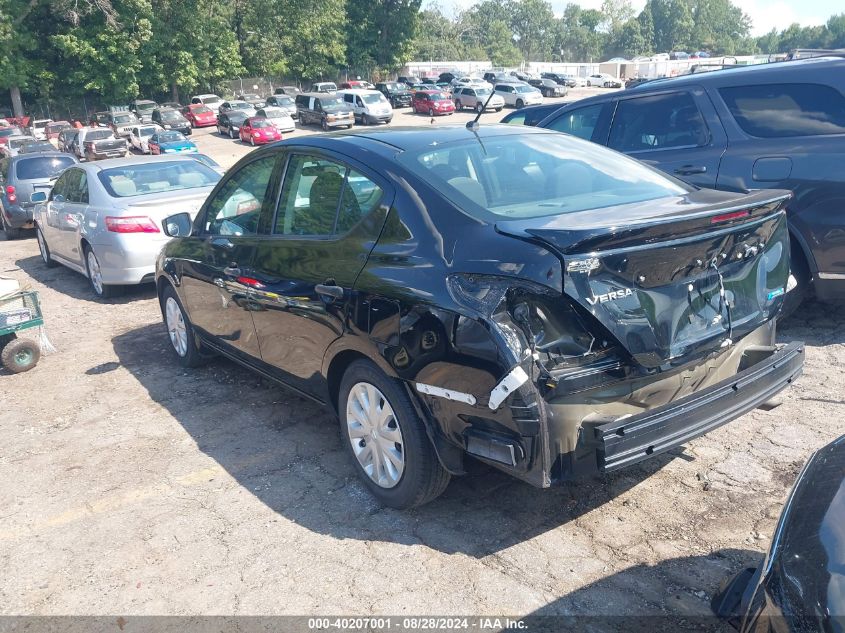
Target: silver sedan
{"x":104,"y":219}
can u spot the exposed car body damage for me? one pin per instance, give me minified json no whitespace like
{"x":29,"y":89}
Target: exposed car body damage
{"x":549,"y":347}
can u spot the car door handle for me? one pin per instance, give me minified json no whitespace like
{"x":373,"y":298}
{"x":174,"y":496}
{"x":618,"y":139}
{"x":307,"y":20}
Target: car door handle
{"x":688,"y":170}
{"x":222,"y":242}
{"x":232,"y":271}
{"x":335,"y":292}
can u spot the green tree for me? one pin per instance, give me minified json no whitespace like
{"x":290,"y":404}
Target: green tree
{"x":436,"y":37}
{"x":380,"y":32}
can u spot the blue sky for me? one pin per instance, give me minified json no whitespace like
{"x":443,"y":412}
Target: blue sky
{"x":765,"y":14}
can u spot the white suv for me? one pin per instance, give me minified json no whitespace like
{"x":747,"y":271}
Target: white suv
{"x":210,"y":100}
{"x":519,"y":94}
{"x":476,"y":98}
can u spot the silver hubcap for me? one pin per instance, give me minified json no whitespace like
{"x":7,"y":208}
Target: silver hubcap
{"x":41,"y":245}
{"x":176,"y":326}
{"x":94,"y":273}
{"x":375,"y":435}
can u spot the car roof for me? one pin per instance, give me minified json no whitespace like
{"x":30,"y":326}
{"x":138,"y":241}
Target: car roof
{"x":358,"y":91}
{"x":387,"y":140}
{"x":318,"y":95}
{"x":53,"y":154}
{"x":734,"y":75}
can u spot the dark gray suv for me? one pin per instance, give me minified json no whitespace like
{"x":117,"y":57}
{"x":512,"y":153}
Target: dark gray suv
{"x":772,"y":126}
{"x":20,"y":176}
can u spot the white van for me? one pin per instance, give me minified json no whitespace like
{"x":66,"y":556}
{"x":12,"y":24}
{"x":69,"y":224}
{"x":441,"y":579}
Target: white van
{"x":210,"y":100}
{"x":370,"y":106}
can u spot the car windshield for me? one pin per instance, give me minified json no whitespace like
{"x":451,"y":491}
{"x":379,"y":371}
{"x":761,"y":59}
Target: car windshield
{"x":171,"y":115}
{"x":251,"y":96}
{"x":98,"y":135}
{"x":240,"y":105}
{"x":9,"y":131}
{"x":332,"y":105}
{"x":170,"y":137}
{"x":437,"y":97}
{"x":273,"y":113}
{"x":144,"y":107}
{"x":371,"y":98}
{"x":201,"y":110}
{"x":285,"y":101}
{"x":42,"y":167}
{"x":120,"y":119}
{"x":395,"y":86}
{"x":148,"y":131}
{"x":156,"y":177}
{"x":212,"y":100}
{"x":524,"y":89}
{"x":40,"y":124}
{"x":482,"y":92}
{"x":57,"y":127}
{"x":567,"y":175}
{"x":20,"y":142}
{"x":259,"y":123}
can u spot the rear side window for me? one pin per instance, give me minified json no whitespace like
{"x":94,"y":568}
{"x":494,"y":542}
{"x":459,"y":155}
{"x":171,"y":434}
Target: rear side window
{"x":783,"y":110}
{"x":42,"y":167}
{"x":580,"y":122}
{"x":658,"y":122}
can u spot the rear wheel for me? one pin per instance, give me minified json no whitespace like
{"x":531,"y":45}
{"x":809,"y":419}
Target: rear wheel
{"x":43,"y":248}
{"x":20,"y":355}
{"x":231,"y":134}
{"x":430,"y":112}
{"x":387,"y":440}
{"x":800,"y":270}
{"x":8,"y":232}
{"x":520,"y":104}
{"x":458,"y":105}
{"x":325,"y":125}
{"x":252,"y":141}
{"x":95,"y":277}
{"x":479,"y":107}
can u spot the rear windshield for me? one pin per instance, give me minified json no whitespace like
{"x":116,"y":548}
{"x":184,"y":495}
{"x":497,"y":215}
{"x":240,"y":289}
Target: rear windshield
{"x":200,"y":110}
{"x":10,"y":131}
{"x":20,"y":142}
{"x":259,"y":123}
{"x":158,"y":177}
{"x":171,"y":115}
{"x":534,"y":175}
{"x":42,"y":167}
{"x":170,"y":137}
{"x":120,"y":119}
{"x":782,"y":110}
{"x":273,"y":113}
{"x":148,"y":131}
{"x":145,"y":106}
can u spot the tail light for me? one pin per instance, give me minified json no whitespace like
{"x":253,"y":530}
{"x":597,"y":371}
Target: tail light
{"x":131,"y":224}
{"x":11,"y":195}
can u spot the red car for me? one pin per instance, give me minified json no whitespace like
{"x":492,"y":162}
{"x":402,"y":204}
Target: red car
{"x":432,"y":102}
{"x":257,"y":130}
{"x":363,"y":85}
{"x":199,"y":115}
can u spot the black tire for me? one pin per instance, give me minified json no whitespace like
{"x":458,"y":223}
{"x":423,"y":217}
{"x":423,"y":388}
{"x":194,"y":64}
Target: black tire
{"x":232,"y":133}
{"x":479,"y":107}
{"x":458,"y":105}
{"x":801,"y":271}
{"x":520,"y":104}
{"x":8,"y":232}
{"x":325,"y":125}
{"x":498,"y":109}
{"x":193,"y":356}
{"x":105,"y":291}
{"x":44,"y":249}
{"x":431,"y":112}
{"x":252,"y":141}
{"x":423,"y":478}
{"x":20,"y":355}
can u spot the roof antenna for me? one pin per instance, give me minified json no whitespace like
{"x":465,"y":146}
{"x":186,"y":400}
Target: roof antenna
{"x":473,"y":125}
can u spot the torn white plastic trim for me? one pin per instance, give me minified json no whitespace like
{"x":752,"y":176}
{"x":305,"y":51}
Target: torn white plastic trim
{"x":791,"y":283}
{"x":449,"y":394}
{"x":514,"y":380}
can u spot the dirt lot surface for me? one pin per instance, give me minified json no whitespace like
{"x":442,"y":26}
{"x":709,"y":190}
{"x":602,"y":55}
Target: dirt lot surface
{"x":131,"y":486}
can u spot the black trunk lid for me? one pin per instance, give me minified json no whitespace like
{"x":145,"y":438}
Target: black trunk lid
{"x":673,"y":277}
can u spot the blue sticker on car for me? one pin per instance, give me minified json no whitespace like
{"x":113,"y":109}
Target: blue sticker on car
{"x":776,"y":293}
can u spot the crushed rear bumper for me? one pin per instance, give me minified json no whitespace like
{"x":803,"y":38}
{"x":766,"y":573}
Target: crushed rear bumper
{"x":632,"y":439}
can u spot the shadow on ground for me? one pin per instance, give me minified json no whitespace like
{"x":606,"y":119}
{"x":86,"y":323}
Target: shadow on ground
{"x":286,"y":451}
{"x":76,"y":285}
{"x":673,"y":595}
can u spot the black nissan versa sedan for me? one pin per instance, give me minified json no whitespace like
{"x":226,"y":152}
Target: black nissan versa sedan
{"x":534,"y":300}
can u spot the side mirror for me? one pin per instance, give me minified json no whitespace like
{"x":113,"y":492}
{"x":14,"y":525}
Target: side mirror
{"x":179,"y":225}
{"x":38,"y":197}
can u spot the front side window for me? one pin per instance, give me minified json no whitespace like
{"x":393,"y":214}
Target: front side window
{"x":783,"y":110}
{"x":236,"y":207}
{"x":76,"y":188}
{"x":527,"y":175}
{"x":658,"y":122}
{"x":581,"y":122}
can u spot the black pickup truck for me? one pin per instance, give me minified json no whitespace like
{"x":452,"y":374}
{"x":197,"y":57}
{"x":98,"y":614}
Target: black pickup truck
{"x":96,"y":143}
{"x":397,"y":93}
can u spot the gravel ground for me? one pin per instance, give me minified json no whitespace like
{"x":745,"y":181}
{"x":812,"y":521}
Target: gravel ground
{"x":131,"y":486}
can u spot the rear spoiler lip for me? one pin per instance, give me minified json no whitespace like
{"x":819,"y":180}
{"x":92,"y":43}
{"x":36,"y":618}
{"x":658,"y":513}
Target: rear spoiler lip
{"x":752,"y":200}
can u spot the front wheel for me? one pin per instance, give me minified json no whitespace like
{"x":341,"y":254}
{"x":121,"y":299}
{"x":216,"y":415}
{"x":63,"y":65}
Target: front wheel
{"x":519,"y":104}
{"x":179,"y":329}
{"x":20,"y":355}
{"x":589,"y":85}
{"x":479,"y":107}
{"x":430,"y":112}
{"x":231,"y":134}
{"x":252,"y":141}
{"x":43,"y":248}
{"x":387,"y":439}
{"x":325,"y":125}
{"x":458,"y":105}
